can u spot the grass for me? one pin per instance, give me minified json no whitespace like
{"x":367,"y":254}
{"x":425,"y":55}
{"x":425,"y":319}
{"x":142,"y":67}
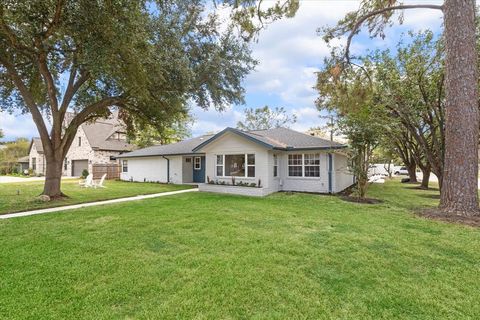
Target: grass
{"x":22,"y":196}
{"x":210,"y":256}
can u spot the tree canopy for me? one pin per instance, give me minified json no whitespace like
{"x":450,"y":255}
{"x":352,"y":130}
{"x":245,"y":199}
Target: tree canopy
{"x":150,"y":59}
{"x":266,"y":118}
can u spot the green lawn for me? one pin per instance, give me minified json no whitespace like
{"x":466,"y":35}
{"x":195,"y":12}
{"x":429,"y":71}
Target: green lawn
{"x":209,"y":256}
{"x":22,"y":196}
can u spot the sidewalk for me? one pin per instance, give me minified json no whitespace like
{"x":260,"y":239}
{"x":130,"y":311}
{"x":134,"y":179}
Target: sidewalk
{"x":92,"y":204}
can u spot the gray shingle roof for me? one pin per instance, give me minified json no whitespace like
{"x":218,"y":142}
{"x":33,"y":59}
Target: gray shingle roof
{"x":182,"y":147}
{"x":291,"y":139}
{"x":25,"y":159}
{"x":278,"y":138}
{"x":98,"y":133}
{"x":37,"y":142}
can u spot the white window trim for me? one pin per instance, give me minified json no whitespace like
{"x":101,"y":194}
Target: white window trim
{"x":124,"y":166}
{"x":199,"y":163}
{"x":303,"y":166}
{"x":275,"y":165}
{"x":246,"y":165}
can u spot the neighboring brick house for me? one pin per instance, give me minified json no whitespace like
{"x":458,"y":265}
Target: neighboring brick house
{"x":94,"y":143}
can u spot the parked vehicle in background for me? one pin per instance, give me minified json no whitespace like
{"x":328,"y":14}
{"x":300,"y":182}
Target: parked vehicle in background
{"x":401,"y":171}
{"x":380,"y":169}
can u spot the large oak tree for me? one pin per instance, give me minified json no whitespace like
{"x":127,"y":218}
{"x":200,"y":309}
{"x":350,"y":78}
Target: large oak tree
{"x":459,"y":194}
{"x":148,"y":59}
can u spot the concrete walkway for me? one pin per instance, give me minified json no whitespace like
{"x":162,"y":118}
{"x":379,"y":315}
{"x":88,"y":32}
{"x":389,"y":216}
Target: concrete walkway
{"x":92,"y":204}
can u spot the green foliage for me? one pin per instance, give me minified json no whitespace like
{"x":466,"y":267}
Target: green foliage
{"x":265,"y":118}
{"x":145,"y":135}
{"x":351,"y":96}
{"x":84,"y":173}
{"x":11,"y":153}
{"x":251,"y":16}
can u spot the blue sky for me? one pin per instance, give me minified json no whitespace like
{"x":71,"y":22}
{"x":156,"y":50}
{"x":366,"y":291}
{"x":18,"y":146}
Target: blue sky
{"x":289,"y":52}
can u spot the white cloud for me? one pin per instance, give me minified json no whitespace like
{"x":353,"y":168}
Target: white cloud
{"x":17,"y":126}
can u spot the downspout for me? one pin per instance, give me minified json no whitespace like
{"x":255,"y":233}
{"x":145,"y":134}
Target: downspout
{"x":330,"y":173}
{"x":168,"y":168}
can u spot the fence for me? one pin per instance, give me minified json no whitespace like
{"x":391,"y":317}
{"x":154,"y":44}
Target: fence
{"x":112,"y":171}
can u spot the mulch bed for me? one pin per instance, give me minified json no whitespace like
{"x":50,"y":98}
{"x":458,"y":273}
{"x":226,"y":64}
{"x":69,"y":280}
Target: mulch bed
{"x":360,"y":200}
{"x":436,"y":214}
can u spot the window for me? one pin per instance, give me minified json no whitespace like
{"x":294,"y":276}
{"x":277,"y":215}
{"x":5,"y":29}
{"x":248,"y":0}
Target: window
{"x":65,"y":163}
{"x":304,"y":165}
{"x":251,"y":165}
{"x":312,"y":165}
{"x":79,"y":141}
{"x":125,"y":166}
{"x":236,"y":165}
{"x":295,"y":165}
{"x":188,"y":160}
{"x":220,"y":165}
{"x":275,"y":165}
{"x":34,"y":163}
{"x":197,"y":163}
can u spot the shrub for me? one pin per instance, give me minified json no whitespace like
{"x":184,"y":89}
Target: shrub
{"x":84,"y":173}
{"x":253,"y":184}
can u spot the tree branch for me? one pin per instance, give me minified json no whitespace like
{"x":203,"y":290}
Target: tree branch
{"x":72,"y":87}
{"x":47,"y":76}
{"x":29,"y":101}
{"x":56,"y":19}
{"x":380,"y":11}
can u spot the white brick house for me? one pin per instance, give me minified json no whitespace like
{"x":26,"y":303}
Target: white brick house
{"x":268,"y":161}
{"x":94,"y":143}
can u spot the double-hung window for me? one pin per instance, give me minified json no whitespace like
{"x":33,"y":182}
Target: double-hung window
{"x":235,"y":165}
{"x":125,"y":166}
{"x":65,"y":164}
{"x":197,"y":164}
{"x":275,"y":165}
{"x":304,"y":165}
{"x":311,"y":165}
{"x":250,"y":165}
{"x":220,"y":165}
{"x":295,"y":168}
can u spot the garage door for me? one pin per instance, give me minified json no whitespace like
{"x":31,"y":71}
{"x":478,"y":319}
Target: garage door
{"x":78,"y":166}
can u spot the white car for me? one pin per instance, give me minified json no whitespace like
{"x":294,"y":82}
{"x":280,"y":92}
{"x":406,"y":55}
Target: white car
{"x":401,"y":171}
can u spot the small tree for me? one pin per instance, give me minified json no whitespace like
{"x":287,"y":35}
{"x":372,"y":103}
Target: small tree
{"x":363,"y":135}
{"x":265,"y":118}
{"x":351,"y":96}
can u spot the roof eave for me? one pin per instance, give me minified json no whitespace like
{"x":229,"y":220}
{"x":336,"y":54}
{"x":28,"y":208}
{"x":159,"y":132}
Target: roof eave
{"x":160,"y":155}
{"x":232,"y":130}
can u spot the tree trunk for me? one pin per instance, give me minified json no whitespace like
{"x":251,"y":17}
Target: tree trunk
{"x":412,"y":172}
{"x":426,"y":177}
{"x":53,"y":177}
{"x":459,"y":194}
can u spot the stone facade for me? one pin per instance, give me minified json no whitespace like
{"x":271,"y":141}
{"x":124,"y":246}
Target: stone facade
{"x":81,"y":150}
{"x":37,"y":161}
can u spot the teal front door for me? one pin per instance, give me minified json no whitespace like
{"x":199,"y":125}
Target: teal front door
{"x":199,"y":169}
